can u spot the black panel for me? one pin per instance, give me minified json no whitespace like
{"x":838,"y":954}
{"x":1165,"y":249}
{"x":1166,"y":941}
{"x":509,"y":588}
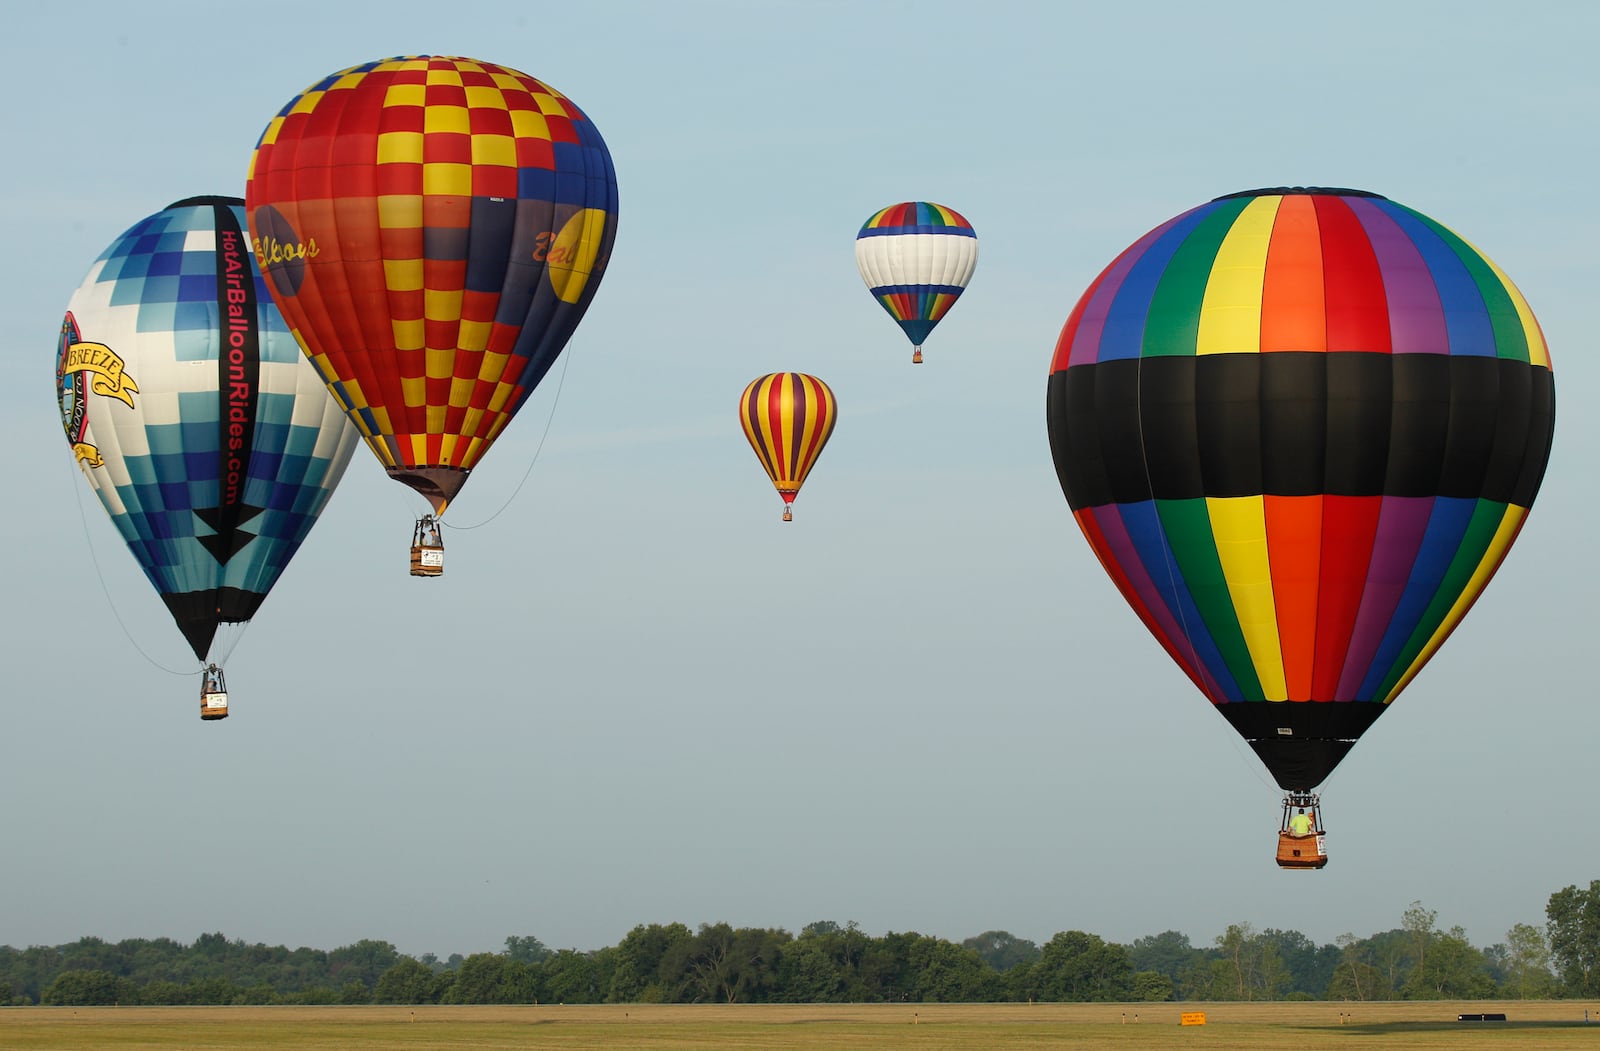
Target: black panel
{"x":1227,"y":394}
{"x":1474,"y":401}
{"x":1513,"y":432}
{"x":1171,"y":427}
{"x":1419,"y":424}
{"x":1541,"y":432}
{"x":1318,"y":735}
{"x":1359,"y":391}
{"x":1294,"y":423}
{"x":1347,"y":423}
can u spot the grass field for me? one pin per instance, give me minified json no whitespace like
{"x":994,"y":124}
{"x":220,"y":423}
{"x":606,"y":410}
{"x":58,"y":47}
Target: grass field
{"x":925,"y":1027}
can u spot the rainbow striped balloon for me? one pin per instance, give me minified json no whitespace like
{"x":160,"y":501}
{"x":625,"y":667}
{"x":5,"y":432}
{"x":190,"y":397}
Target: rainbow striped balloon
{"x":1301,"y":428}
{"x":917,"y":258}
{"x":788,"y":418}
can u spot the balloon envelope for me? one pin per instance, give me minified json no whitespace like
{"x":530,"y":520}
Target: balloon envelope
{"x":788,"y":418}
{"x":433,"y":229}
{"x":1301,"y":428}
{"x":208,"y":437}
{"x":916,"y":258}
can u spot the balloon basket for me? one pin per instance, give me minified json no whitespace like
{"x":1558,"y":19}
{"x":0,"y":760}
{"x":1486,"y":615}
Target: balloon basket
{"x":427,"y":548}
{"x":1297,"y":848}
{"x":788,"y":514}
{"x":916,"y":356}
{"x":213,"y":694}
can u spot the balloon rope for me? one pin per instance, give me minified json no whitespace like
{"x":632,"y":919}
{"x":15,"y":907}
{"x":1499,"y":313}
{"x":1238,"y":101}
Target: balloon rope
{"x":561,"y":382}
{"x":89,"y":542}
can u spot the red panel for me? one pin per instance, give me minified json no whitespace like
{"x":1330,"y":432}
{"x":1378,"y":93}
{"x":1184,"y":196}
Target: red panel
{"x":1357,"y":308}
{"x":1349,"y":526}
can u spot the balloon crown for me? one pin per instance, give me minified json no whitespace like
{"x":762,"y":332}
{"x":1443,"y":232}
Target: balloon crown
{"x":1322,"y":191}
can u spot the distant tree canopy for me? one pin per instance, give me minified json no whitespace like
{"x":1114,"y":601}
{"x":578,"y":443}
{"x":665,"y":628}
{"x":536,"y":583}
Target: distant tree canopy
{"x":830,"y":962}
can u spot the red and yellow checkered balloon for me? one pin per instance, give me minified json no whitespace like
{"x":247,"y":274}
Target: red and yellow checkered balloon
{"x":433,"y":230}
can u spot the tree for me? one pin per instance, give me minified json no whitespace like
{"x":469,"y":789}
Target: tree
{"x":639,"y":975}
{"x":85,"y":988}
{"x":1077,"y":966}
{"x":526,"y":949}
{"x":407,"y":982}
{"x":1002,"y":950}
{"x":1167,"y":953}
{"x":568,"y":977}
{"x":1151,"y":987}
{"x":491,"y":978}
{"x":363,"y":962}
{"x":945,"y":972}
{"x":1573,"y":923}
{"x":1527,"y":963}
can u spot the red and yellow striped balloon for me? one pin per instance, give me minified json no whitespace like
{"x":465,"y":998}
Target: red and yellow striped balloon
{"x":788,"y":418}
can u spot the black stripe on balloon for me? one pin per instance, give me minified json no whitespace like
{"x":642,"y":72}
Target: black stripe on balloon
{"x":1299,"y":424}
{"x":1301,"y":742}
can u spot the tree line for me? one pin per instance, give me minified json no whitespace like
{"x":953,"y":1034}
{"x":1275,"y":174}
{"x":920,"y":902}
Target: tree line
{"x":829,"y":962}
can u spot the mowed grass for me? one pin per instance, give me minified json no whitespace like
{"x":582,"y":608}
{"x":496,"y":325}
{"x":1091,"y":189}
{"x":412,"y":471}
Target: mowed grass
{"x":925,"y":1027}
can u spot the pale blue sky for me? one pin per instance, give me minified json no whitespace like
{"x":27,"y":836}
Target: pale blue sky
{"x":637,"y":696}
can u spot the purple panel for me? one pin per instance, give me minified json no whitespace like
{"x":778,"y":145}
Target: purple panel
{"x":1086,"y":341}
{"x":1402,"y":523}
{"x":1416,"y":316}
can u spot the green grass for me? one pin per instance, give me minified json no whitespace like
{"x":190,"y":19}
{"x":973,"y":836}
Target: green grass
{"x":925,"y":1027}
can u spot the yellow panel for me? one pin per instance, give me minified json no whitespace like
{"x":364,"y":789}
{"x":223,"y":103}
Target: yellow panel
{"x":447,"y":448}
{"x":526,"y":124}
{"x":414,"y":390}
{"x":402,"y":275}
{"x":268,"y":137}
{"x":450,"y":179}
{"x":352,"y":390}
{"x":306,"y":103}
{"x":499,"y":425}
{"x":1230,"y":314}
{"x":408,"y":335}
{"x":1503,"y":536}
{"x":507,"y":82}
{"x":1239,"y":526}
{"x":474,"y":336}
{"x":494,"y":149}
{"x":380,"y":416}
{"x":419,"y":447}
{"x":400,"y":147}
{"x":471,"y":422}
{"x":501,"y":395}
{"x":480,"y":96}
{"x":400,"y":211}
{"x":405,"y":95}
{"x":438,"y":364}
{"x":444,"y":76}
{"x":492,"y":368}
{"x":434,"y":417}
{"x":442,"y":304}
{"x":551,"y":105}
{"x":460,"y":392}
{"x":347,"y":82}
{"x":474,"y":450}
{"x":436,"y":119}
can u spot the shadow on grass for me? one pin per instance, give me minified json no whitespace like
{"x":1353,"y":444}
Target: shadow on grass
{"x":1378,"y":1029}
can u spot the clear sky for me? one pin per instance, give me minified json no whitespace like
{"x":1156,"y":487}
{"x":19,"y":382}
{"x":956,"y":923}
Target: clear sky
{"x":637,"y":696}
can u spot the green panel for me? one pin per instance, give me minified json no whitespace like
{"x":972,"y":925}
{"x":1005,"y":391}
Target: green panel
{"x":1172,"y":326}
{"x":1486,"y":519}
{"x":1187,"y":525}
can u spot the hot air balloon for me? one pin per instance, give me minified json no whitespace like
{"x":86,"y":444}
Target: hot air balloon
{"x":917,"y":258}
{"x":1301,"y":429}
{"x":206,"y":434}
{"x":788,"y":418}
{"x":433,"y":229}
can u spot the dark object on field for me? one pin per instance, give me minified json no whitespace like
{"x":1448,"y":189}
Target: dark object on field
{"x":1481,"y":1018}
